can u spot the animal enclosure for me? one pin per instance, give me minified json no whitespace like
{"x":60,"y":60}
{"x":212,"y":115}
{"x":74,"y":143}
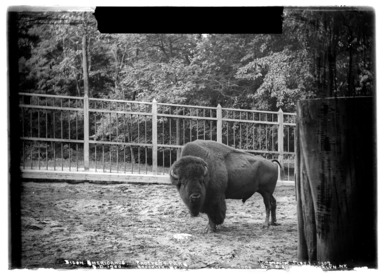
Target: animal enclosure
{"x":75,"y":137}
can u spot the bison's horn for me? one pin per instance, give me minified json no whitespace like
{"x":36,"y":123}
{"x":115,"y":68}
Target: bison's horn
{"x":205,"y":170}
{"x":174,"y":175}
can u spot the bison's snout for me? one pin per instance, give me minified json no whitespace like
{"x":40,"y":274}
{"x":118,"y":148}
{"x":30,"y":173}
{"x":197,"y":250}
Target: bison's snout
{"x":194,"y":197}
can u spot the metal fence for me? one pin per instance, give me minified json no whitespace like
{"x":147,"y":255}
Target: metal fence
{"x":85,"y":138}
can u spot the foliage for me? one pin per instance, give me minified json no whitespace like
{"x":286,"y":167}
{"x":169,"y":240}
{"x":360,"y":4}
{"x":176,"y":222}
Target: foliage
{"x":320,"y":53}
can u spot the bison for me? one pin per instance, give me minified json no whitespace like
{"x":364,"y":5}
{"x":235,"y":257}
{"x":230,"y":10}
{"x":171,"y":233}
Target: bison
{"x":208,"y":172}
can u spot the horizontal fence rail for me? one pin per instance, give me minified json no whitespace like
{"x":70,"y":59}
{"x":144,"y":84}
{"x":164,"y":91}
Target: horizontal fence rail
{"x":86,"y":138}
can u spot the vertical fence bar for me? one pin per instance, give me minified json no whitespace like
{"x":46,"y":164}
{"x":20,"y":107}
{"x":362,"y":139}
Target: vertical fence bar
{"x":219,"y":116}
{"x":197,"y":129}
{"x":247,"y":129}
{"x":227,"y":128}
{"x":170,"y":127}
{"x":46,"y":133}
{"x":69,"y":134}
{"x":61,"y":143}
{"x":163,"y":142}
{"x":54,"y":144}
{"x":146,"y":141}
{"x":131,"y":148}
{"x":178,"y":152}
{"x":77,"y":145}
{"x":86,"y":132}
{"x":117,"y":140}
{"x":210,"y":124}
{"x":184,"y":139}
{"x":280,"y":138}
{"x":94,"y":139}
{"x":125,"y":140}
{"x":190,"y":126}
{"x":38,"y":135}
{"x":154,"y":136}
{"x":204,"y":129}
{"x":253,"y":136}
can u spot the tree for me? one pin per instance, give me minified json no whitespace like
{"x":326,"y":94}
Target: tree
{"x":340,"y":44}
{"x":320,"y":53}
{"x":55,"y":66}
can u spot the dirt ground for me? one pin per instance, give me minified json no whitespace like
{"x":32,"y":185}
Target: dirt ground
{"x":138,"y":225}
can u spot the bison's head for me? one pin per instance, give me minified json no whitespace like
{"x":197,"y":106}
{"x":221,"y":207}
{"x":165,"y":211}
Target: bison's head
{"x":190,"y":175}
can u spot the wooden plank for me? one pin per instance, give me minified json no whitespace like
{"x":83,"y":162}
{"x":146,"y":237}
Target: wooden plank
{"x":250,"y":121}
{"x":250,"y":110}
{"x":186,"y":117}
{"x":186,"y":106}
{"x":119,"y":101}
{"x":95,"y":177}
{"x":119,"y":112}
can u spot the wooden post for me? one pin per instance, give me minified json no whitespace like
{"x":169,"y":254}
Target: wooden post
{"x":154,"y":137}
{"x":280,"y":139}
{"x":336,"y":181}
{"x":219,"y":131}
{"x":86,"y":104}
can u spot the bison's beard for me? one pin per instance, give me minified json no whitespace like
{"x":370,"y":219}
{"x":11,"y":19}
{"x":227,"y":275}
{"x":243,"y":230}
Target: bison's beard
{"x":194,"y":208}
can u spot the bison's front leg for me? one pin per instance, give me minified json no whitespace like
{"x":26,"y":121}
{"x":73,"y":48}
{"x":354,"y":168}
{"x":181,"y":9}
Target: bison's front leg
{"x":211,"y":227}
{"x":216,"y":214}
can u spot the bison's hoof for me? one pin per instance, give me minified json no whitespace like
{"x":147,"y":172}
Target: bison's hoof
{"x":209,"y":229}
{"x":275,"y":223}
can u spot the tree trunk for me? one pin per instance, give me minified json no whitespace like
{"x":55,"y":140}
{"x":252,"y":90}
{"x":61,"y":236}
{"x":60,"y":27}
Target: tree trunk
{"x":336,"y":181}
{"x":85,"y":66}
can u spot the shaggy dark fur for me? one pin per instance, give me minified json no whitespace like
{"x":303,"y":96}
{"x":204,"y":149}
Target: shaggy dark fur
{"x":209,"y":172}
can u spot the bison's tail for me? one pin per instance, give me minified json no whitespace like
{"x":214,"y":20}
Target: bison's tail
{"x":281,"y":168}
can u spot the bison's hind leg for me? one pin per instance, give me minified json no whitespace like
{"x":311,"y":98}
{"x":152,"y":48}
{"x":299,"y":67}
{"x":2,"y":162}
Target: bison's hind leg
{"x":273,"y":211}
{"x":267,"y":203}
{"x":270,"y":209}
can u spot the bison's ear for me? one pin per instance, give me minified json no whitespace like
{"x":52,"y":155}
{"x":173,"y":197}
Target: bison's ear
{"x":174,"y":175}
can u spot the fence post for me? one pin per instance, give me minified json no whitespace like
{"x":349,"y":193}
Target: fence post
{"x":154,"y":136}
{"x":86,"y":132}
{"x":280,"y":138}
{"x":219,"y":116}
{"x":86,"y":104}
